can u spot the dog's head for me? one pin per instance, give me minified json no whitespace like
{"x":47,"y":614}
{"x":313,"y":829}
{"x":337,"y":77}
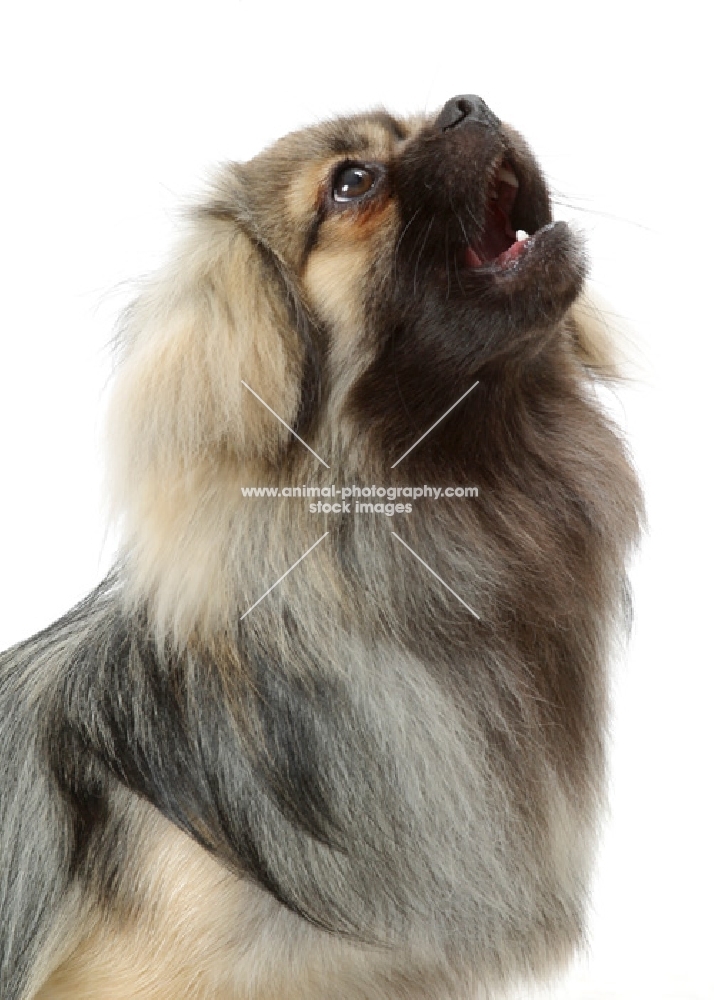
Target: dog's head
{"x":428,"y":242}
{"x":397,"y":227}
{"x":357,"y":276}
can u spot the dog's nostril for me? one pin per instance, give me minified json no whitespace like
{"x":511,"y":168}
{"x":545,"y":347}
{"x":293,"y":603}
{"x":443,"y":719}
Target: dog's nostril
{"x":466,"y":108}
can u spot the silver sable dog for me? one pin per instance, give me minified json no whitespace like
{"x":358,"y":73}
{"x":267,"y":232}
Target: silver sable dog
{"x":379,"y":782}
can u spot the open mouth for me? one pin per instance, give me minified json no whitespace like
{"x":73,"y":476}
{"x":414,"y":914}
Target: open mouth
{"x":499,"y":243}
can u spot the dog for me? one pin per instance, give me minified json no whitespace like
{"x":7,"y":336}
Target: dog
{"x":295,"y":753}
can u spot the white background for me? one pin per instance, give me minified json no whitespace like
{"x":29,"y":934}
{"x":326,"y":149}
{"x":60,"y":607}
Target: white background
{"x":112,"y":116}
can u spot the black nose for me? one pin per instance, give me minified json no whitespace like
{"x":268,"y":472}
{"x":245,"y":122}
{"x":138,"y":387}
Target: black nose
{"x":466,"y":108}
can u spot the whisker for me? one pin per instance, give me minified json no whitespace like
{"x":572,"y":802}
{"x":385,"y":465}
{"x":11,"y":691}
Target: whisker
{"x":421,"y":251}
{"x":448,"y":273}
{"x":403,"y":232}
{"x":463,"y":229}
{"x":456,"y":267}
{"x":417,"y":243}
{"x":470,"y":212}
{"x":585,"y":210}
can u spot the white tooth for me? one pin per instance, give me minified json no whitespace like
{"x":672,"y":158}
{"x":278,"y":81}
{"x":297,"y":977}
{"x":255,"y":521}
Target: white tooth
{"x":507,"y":176}
{"x":521,"y":234}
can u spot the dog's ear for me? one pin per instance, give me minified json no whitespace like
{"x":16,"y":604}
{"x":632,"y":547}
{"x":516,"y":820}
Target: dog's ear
{"x":214,"y":318}
{"x":184,"y":431}
{"x":600,"y":342}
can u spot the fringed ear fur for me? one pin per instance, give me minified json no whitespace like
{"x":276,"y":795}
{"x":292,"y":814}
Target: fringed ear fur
{"x":183,"y":430}
{"x":212,"y":318}
{"x":602,"y":342}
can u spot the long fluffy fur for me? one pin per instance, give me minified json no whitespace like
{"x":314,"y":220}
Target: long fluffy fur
{"x":359,"y":789}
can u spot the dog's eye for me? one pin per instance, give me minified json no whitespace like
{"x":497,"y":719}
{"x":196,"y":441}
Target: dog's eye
{"x":352,"y":183}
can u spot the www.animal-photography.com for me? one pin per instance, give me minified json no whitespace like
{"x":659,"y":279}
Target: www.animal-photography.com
{"x":355,"y":533}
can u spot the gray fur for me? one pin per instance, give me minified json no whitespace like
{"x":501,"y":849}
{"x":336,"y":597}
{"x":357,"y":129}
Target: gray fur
{"x":396,"y":774}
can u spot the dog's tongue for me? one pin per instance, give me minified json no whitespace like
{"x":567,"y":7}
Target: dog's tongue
{"x":513,"y":251}
{"x":478,"y":257}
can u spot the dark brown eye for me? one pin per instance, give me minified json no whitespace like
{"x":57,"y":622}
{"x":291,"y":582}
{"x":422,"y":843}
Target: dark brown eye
{"x":352,"y":183}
